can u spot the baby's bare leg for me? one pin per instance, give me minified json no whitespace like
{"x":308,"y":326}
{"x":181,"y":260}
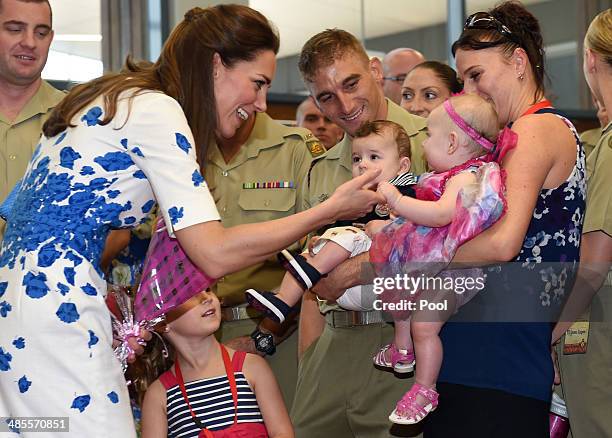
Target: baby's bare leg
{"x":328,"y":257}
{"x":402,"y":339}
{"x":426,"y":326}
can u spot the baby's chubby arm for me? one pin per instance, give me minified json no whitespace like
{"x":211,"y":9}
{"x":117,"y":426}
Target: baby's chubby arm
{"x":429,"y":213}
{"x":375,"y":226}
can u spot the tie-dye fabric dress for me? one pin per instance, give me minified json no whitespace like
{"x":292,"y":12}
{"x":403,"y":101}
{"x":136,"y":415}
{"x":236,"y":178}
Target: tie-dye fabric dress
{"x":56,"y":358}
{"x":406,"y":248}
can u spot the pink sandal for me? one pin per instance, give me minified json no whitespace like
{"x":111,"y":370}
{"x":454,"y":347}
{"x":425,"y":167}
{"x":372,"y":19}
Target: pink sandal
{"x":402,"y":361}
{"x":409,"y":411}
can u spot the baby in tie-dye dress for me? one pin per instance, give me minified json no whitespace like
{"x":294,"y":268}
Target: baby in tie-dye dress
{"x":462,"y":197}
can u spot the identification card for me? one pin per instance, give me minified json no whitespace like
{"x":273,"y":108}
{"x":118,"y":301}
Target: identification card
{"x":576,"y":338}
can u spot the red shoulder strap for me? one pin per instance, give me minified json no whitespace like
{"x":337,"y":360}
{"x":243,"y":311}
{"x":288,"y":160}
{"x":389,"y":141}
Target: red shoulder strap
{"x":238,"y":360}
{"x":168,"y":380}
{"x":230,"y":377}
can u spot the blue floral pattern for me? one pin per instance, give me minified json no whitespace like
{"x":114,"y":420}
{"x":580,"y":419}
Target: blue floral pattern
{"x":24,"y":384}
{"x":552,"y":244}
{"x":81,"y":402}
{"x":82,"y":183}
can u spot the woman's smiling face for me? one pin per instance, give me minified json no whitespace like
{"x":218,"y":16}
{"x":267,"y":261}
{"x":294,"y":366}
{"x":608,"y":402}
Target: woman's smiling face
{"x":240,"y":91}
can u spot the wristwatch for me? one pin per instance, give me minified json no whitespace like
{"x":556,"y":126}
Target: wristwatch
{"x":264,"y":342}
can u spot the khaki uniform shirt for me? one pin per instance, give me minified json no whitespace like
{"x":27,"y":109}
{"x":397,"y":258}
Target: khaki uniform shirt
{"x":272,"y":155}
{"x":586,"y":378}
{"x":18,"y":139}
{"x":598,"y":216}
{"x":335,"y":166}
{"x":589,"y":139}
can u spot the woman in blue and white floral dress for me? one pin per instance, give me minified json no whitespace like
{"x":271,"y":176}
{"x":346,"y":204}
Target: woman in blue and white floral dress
{"x":111,"y":150}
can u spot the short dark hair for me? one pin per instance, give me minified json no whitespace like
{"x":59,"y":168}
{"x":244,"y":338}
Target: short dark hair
{"x":445,"y":73}
{"x":379,"y":126}
{"x":36,"y":1}
{"x":324,"y":48}
{"x":526,"y":34}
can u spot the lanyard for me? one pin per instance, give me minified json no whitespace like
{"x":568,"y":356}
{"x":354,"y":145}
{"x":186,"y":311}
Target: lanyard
{"x":229,"y":371}
{"x":536,"y":107}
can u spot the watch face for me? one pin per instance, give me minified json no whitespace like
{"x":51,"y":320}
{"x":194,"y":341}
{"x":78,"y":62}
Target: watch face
{"x":265,"y":343}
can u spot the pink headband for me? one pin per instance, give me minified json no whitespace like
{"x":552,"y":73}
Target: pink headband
{"x":474,"y":135}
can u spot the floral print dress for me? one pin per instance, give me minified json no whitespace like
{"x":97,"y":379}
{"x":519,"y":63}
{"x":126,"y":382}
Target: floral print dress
{"x":501,"y":339}
{"x":56,"y":358}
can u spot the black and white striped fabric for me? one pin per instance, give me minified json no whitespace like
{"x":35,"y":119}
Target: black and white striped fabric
{"x":211,"y":401}
{"x":405,"y":179}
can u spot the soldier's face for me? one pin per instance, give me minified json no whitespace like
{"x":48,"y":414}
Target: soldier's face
{"x":311,"y":117}
{"x":25,"y":38}
{"x":348,"y":92}
{"x":241,"y":90}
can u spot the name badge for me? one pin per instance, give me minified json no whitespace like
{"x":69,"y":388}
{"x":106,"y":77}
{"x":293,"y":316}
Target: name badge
{"x":576,"y":338}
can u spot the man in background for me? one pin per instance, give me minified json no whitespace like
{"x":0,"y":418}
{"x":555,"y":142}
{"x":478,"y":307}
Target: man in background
{"x":25,"y":99}
{"x":396,"y":65}
{"x":309,"y":116}
{"x":339,"y":393}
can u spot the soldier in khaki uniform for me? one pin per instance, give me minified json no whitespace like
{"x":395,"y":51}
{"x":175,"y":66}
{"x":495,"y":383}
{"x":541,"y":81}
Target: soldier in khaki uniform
{"x":590,"y":138}
{"x":587,"y":377}
{"x":254,"y":177}
{"x":339,"y":392}
{"x":25,"y":99}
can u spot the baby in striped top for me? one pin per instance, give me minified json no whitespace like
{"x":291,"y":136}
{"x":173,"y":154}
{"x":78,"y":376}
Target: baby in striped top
{"x":381,"y":144}
{"x":211,"y":390}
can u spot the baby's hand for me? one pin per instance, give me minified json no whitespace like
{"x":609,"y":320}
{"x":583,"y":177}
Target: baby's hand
{"x":374,"y":227}
{"x":390,"y":192}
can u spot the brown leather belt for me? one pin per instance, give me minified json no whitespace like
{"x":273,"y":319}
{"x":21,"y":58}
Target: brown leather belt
{"x":239,"y":313}
{"x":349,"y":318}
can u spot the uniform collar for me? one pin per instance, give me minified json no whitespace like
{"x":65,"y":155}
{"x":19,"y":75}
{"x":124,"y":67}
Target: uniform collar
{"x":411,"y":123}
{"x":342,"y":152}
{"x":266,"y":133}
{"x":45,"y":98}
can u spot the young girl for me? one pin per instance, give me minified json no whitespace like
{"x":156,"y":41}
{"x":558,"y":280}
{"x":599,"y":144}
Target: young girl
{"x":381,"y":144}
{"x":211,"y":390}
{"x":463,"y":196}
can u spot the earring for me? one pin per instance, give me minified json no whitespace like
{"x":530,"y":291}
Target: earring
{"x":521,"y":76}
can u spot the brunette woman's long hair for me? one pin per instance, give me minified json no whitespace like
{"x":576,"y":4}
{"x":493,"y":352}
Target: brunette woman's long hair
{"x":184,"y":70}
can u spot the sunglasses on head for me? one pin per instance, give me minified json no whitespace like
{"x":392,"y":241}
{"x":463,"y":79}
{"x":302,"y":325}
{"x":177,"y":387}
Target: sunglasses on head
{"x":483,"y":20}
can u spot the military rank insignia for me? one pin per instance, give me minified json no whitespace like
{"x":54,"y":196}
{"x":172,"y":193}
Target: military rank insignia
{"x":269,"y":185}
{"x":315,"y":148}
